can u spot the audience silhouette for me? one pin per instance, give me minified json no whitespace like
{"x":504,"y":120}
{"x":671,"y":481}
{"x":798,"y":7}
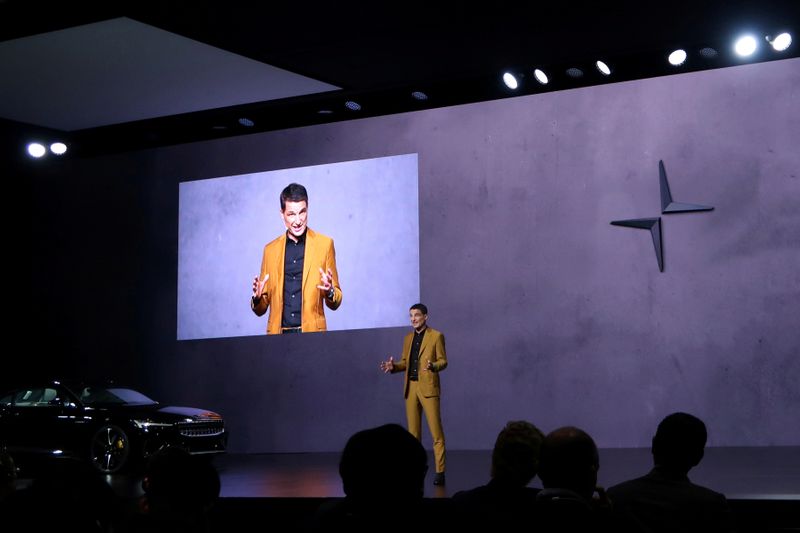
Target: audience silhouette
{"x":665,"y":499}
{"x":383,"y":471}
{"x":506,"y":501}
{"x":568,"y":465}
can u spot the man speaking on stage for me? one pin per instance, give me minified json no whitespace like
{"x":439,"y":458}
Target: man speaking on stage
{"x":298,"y":272}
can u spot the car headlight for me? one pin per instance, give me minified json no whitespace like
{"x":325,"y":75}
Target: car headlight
{"x":147,"y":424}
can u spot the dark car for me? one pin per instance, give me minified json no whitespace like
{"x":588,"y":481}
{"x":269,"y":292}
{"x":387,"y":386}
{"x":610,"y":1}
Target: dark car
{"x":110,"y":426}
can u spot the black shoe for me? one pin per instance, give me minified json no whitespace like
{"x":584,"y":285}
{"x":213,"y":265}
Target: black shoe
{"x":438,"y":478}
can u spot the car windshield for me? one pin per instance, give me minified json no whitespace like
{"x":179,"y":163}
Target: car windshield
{"x":103,"y":395}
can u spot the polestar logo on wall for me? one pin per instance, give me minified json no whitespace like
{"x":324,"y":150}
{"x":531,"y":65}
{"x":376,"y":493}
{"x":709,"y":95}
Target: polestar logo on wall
{"x":668,"y":207}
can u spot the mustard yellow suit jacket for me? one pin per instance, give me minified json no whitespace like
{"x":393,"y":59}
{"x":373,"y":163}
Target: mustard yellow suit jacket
{"x":319,"y":253}
{"x":432,"y":349}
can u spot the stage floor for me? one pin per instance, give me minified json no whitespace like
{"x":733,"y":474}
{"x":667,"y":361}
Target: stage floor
{"x":746,"y":473}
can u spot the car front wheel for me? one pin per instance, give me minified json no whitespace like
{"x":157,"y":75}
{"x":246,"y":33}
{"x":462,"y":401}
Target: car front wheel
{"x":110,"y":449}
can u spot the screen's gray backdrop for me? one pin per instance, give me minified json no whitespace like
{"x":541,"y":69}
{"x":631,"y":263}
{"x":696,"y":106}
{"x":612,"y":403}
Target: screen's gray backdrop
{"x":551,"y":314}
{"x":224,"y":223}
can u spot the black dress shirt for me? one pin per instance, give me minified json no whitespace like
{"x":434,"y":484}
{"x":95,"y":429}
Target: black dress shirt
{"x":413,"y":358}
{"x":293,"y":281}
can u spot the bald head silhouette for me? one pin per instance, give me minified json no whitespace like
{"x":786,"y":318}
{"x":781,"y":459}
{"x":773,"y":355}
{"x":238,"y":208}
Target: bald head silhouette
{"x":569,"y":460}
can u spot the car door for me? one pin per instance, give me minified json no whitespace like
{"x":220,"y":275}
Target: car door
{"x":40,"y":421}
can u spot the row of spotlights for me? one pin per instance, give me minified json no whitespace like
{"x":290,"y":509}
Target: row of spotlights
{"x":38,"y":150}
{"x":352,"y":105}
{"x":511,"y":81}
{"x":745,"y":46}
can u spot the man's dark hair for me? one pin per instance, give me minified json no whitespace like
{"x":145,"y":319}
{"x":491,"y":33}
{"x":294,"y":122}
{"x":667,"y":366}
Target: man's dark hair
{"x":294,"y":192}
{"x":679,"y":441}
{"x":386,"y":461}
{"x":421,"y":307}
{"x":568,"y":459}
{"x":515,"y":458}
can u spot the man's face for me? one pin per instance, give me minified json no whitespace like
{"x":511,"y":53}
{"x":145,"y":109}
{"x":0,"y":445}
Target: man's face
{"x":418,"y":320}
{"x":295,"y":216}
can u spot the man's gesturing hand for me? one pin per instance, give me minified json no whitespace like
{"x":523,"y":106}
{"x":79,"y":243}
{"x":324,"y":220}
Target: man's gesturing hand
{"x":387,"y":366}
{"x":326,"y":280}
{"x":258,"y":286}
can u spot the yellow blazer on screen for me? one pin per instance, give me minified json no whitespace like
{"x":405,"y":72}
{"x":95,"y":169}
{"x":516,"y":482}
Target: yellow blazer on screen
{"x":319,"y":253}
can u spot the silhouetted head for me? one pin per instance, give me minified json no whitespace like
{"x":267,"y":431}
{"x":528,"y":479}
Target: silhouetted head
{"x":569,"y":460}
{"x":515,"y":458}
{"x":385,"y":463}
{"x":679,"y":442}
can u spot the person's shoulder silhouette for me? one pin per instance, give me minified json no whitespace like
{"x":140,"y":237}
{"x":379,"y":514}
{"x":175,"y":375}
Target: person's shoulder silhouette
{"x":665,"y":499}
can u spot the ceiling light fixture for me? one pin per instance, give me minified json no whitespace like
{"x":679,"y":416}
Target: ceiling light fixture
{"x":510,"y":81}
{"x":781,"y":42}
{"x":573,"y":72}
{"x":603,"y":68}
{"x":419,"y":95}
{"x":708,"y":53}
{"x":58,"y":148}
{"x":540,"y":76}
{"x":677,"y":57}
{"x":36,"y":150}
{"x":745,"y":46}
{"x":246,"y":122}
{"x":352,"y":105}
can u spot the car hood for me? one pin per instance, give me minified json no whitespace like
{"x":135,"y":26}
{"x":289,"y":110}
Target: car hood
{"x":163,"y":413}
{"x":190,"y":412}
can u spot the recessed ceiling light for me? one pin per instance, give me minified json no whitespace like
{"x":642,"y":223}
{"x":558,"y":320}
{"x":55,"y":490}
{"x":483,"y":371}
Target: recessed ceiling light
{"x":677,"y":58}
{"x":325,"y":112}
{"x":708,"y":53}
{"x":603,"y":68}
{"x":246,"y":122}
{"x":573,"y":72}
{"x":58,"y":148}
{"x":36,"y":150}
{"x":510,"y":80}
{"x":419,"y":95}
{"x":352,"y":106}
{"x":745,"y":46}
{"x":540,"y":76}
{"x":781,"y":42}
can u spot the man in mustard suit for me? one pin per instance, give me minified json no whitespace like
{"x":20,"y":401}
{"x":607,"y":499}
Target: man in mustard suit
{"x":423,"y":358}
{"x":298,"y":272}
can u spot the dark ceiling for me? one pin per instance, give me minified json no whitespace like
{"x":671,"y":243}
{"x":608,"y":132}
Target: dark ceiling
{"x":378,"y":53}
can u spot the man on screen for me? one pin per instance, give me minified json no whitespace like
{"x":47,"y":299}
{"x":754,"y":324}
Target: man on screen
{"x":298,"y":272}
{"x":423,"y":358}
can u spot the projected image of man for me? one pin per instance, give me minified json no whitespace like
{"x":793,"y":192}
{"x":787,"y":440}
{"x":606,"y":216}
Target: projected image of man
{"x":298,"y":276}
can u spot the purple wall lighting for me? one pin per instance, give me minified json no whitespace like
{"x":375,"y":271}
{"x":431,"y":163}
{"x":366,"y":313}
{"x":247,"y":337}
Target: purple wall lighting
{"x":550,"y":313}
